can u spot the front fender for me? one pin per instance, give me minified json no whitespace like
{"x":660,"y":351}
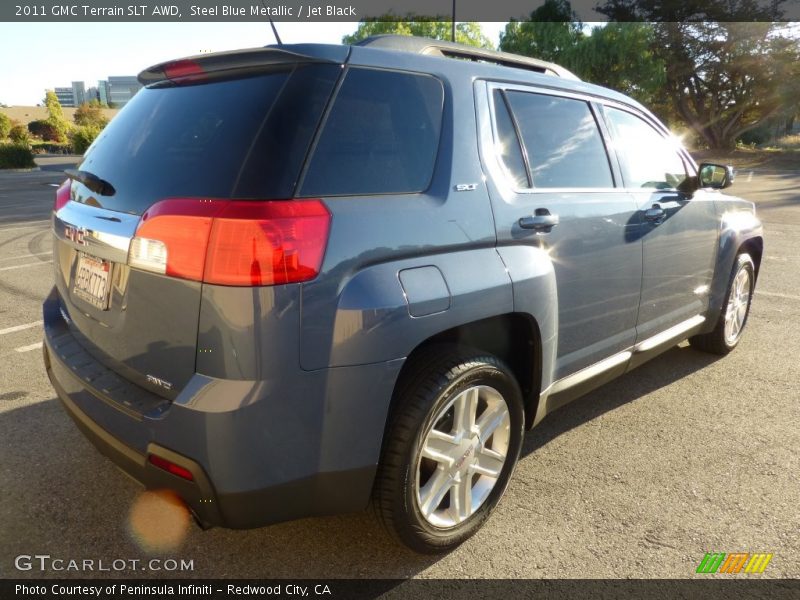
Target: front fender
{"x":739,"y":225}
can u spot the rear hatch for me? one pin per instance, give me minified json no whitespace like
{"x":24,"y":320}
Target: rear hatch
{"x":217,"y":130}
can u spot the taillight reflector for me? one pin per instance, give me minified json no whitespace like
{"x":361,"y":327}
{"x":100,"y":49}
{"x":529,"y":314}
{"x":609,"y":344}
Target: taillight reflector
{"x":62,"y":194}
{"x":170,"y":467}
{"x":233,"y":242}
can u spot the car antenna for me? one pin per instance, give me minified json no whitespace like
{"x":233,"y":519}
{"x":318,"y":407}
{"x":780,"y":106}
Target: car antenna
{"x":453,"y":27}
{"x":275,"y":31}
{"x":272,"y":24}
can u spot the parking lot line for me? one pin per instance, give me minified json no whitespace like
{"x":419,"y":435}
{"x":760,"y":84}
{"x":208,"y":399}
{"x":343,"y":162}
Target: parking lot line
{"x":28,"y":348}
{"x":20,"y":327}
{"x":41,"y":262}
{"x":777,"y":295}
{"x":27,"y":225}
{"x":18,"y":256}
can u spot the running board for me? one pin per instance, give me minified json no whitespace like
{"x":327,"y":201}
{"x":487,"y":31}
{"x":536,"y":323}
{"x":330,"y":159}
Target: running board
{"x":590,"y":372}
{"x":573,"y":386}
{"x":668,"y":335}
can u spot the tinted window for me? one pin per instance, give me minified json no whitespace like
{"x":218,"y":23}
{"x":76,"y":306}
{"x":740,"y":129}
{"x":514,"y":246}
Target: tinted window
{"x":508,"y":148}
{"x":562,"y":141}
{"x":381,"y":136}
{"x":234,"y":138}
{"x":648,"y":159}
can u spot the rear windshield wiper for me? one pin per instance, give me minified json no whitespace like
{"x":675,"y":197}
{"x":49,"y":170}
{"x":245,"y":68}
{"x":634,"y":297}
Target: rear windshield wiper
{"x":91,"y":181}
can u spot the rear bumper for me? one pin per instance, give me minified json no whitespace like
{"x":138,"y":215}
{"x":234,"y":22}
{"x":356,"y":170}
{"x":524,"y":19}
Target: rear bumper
{"x":244,"y":473}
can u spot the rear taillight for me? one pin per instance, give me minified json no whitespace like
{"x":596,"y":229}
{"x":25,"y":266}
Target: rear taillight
{"x":62,"y":194}
{"x":233,"y":242}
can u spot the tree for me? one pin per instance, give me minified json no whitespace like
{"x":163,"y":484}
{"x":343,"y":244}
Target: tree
{"x":20,"y":136}
{"x":91,"y":114}
{"x":55,"y":115}
{"x":466,"y":32}
{"x":723,"y":78}
{"x":5,"y":126}
{"x":552,"y":33}
{"x":620,"y":56}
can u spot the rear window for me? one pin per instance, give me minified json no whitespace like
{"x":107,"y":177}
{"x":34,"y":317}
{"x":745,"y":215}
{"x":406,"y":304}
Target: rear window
{"x":243,"y":138}
{"x":381,"y":136}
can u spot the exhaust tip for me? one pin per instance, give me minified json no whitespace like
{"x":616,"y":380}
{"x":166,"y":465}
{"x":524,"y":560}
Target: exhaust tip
{"x":204,"y":525}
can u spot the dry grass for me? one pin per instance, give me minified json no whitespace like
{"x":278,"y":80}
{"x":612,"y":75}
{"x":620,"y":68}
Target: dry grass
{"x":26,"y":114}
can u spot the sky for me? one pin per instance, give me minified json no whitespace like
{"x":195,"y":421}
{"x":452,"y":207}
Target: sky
{"x":39,"y":56}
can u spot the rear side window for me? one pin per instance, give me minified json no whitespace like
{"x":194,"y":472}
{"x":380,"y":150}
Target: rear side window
{"x":563,"y":143}
{"x":382,"y":136}
{"x":244,"y":138}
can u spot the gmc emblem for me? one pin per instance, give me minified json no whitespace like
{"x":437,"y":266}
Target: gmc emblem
{"x":76,"y":234}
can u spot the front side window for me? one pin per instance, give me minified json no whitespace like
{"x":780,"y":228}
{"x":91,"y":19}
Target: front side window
{"x":648,"y":159}
{"x":562,"y":141}
{"x":381,"y":137}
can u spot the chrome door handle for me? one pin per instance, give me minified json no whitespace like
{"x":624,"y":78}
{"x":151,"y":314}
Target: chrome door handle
{"x":541,"y":222}
{"x":654,"y":214}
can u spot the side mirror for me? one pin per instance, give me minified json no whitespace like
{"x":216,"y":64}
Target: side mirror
{"x":715,"y":176}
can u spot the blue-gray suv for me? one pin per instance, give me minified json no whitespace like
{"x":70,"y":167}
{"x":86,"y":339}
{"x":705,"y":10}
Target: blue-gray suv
{"x":296,"y":279}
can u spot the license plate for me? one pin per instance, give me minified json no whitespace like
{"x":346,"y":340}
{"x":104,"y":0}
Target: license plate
{"x":91,"y":281}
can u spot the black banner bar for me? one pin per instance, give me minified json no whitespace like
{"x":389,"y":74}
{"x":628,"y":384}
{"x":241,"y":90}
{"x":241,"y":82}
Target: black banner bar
{"x":106,"y":11}
{"x":706,"y":587}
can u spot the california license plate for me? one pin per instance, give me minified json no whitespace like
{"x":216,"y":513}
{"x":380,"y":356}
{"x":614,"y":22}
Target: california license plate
{"x":91,"y":280}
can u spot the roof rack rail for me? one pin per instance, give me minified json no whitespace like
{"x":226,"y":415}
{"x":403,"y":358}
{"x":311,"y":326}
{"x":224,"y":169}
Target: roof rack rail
{"x":431,"y":47}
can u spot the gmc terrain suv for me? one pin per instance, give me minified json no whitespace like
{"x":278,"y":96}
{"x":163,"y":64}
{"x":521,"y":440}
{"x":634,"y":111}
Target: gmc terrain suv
{"x":296,"y":279}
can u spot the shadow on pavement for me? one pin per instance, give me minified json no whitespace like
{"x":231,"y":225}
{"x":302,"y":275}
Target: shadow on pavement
{"x":671,"y":366}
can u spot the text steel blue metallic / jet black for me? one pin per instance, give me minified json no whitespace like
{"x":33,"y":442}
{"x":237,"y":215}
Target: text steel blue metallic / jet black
{"x":294,"y":280}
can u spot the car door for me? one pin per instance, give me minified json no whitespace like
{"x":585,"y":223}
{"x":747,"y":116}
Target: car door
{"x":679,"y":230}
{"x":552,"y":186}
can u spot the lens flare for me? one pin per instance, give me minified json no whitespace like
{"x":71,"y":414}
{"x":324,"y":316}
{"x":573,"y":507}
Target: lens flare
{"x":159,"y":521}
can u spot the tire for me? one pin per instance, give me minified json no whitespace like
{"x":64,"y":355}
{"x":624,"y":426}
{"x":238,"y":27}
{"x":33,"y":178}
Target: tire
{"x":733,"y":317}
{"x":451,"y":446}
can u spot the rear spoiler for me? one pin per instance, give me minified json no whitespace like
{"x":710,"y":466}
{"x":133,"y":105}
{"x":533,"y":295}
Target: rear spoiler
{"x":203,"y":66}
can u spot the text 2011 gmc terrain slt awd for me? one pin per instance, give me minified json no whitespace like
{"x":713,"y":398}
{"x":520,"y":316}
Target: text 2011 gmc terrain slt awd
{"x":293,"y":280}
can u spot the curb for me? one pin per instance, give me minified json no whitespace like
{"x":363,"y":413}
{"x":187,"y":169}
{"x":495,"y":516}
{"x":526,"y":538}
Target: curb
{"x":31,"y":170}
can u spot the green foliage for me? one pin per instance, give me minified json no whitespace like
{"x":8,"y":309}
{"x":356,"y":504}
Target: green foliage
{"x":91,"y":114}
{"x":20,"y":136}
{"x":56,"y":116}
{"x":51,"y":147}
{"x":466,"y":32}
{"x":82,"y":137}
{"x":54,"y":109}
{"x":5,"y":126}
{"x":15,"y":156}
{"x":620,"y":56}
{"x":722,"y":78}
{"x":45,"y":130}
{"x":552,"y":33}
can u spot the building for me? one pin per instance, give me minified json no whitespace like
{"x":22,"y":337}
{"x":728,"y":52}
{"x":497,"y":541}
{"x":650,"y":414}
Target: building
{"x":78,"y":93}
{"x":102,"y":91}
{"x":65,"y":96}
{"x":72,"y":96}
{"x":121,"y":90}
{"x":116,"y":92}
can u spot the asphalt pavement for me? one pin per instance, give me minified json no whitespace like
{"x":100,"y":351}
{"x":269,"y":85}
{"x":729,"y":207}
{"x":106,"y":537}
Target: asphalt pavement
{"x":686,"y":455}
